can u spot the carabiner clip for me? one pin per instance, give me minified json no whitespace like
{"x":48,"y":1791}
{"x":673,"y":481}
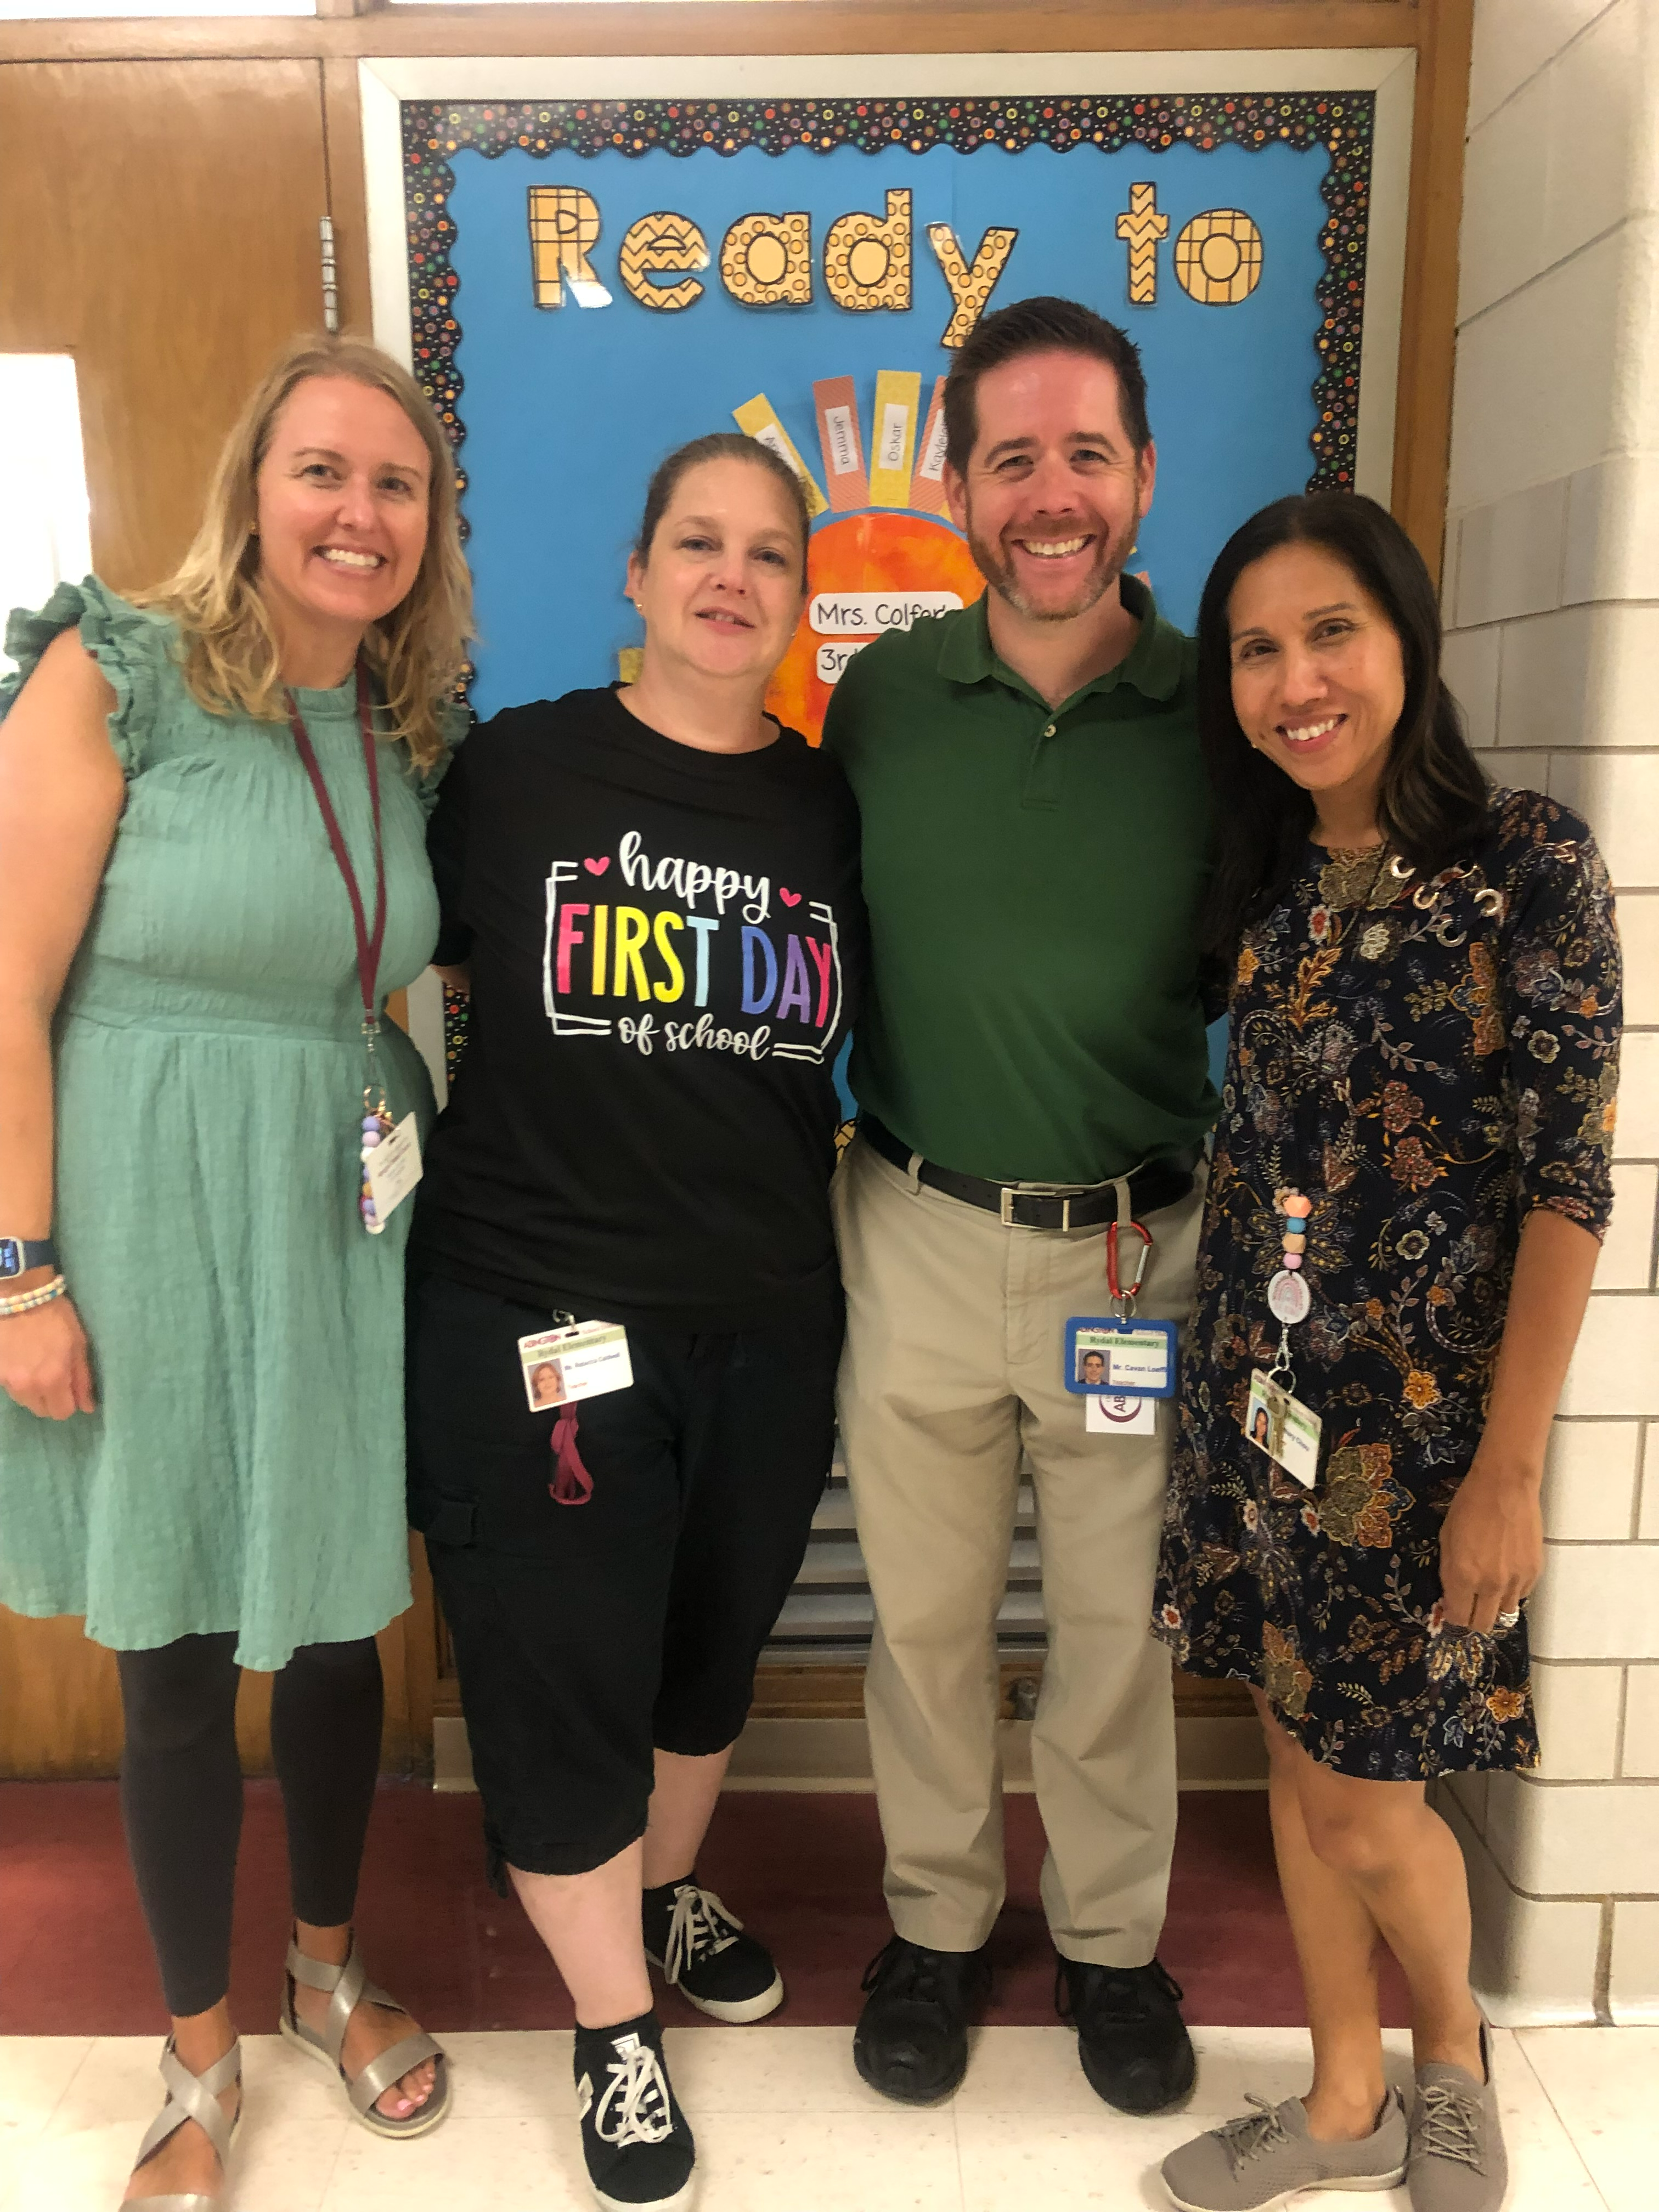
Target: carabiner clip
{"x":1123,"y":1295}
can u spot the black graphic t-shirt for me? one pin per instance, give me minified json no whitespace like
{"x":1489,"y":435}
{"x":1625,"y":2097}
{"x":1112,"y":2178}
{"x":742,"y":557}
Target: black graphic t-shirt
{"x":666,"y":947}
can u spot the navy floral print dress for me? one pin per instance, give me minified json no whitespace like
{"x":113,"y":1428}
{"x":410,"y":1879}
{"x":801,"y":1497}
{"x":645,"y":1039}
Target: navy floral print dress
{"x":1428,"y":1061}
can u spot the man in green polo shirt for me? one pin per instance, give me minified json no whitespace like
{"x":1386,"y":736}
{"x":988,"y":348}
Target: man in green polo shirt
{"x":1030,"y":1068}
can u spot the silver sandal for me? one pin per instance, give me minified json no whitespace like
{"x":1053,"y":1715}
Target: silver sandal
{"x":352,"y":1987}
{"x":192,"y":2097}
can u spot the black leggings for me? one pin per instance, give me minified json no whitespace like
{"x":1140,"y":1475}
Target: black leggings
{"x":181,"y":1793}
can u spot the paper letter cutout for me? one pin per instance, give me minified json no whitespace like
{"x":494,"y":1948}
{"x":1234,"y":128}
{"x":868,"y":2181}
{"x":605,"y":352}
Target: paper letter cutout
{"x":760,"y":419}
{"x":970,"y":287}
{"x":564,"y":228}
{"x":662,"y":241}
{"x":766,"y":260}
{"x":1218,"y":258}
{"x":1141,"y":228}
{"x":866,"y":261}
{"x":893,"y":436}
{"x":847,"y":485}
{"x":927,"y":485}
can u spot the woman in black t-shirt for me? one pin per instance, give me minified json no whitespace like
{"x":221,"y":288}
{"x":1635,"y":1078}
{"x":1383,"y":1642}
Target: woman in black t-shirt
{"x":653,"y":894}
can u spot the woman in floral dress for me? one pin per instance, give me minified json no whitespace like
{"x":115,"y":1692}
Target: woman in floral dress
{"x":1411,"y":1179}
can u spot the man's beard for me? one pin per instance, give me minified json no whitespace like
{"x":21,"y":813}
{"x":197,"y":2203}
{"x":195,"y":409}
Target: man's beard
{"x":1104,"y":572}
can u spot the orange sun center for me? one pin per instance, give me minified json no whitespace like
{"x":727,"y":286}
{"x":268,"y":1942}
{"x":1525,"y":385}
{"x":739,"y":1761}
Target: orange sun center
{"x":892,"y":552}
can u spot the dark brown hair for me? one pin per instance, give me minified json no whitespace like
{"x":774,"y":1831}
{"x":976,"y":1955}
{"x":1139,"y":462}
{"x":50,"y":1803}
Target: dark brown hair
{"x":1432,"y":803}
{"x":717,"y":446}
{"x":1045,"y":324}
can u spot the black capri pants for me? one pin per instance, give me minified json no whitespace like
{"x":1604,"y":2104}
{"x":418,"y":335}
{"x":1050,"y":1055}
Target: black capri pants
{"x":589,"y":1637}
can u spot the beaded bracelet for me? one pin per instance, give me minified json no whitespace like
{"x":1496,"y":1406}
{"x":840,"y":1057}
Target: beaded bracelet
{"x":22,"y":1302}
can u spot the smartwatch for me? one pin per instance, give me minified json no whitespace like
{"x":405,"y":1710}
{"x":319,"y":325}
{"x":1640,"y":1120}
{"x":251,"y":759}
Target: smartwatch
{"x":19,"y":1254}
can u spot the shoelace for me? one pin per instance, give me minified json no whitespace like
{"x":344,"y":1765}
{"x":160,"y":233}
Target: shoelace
{"x":699,"y":1927}
{"x":1252,"y":2133}
{"x":1448,"y":2125}
{"x":911,"y":1971}
{"x":636,"y":2083}
{"x":1110,"y":1997}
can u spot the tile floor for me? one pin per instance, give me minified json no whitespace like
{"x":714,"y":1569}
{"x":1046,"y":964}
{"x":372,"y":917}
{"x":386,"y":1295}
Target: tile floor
{"x":783,"y":2122}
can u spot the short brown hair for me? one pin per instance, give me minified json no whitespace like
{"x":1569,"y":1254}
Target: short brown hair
{"x":717,"y":446}
{"x":1045,"y":324}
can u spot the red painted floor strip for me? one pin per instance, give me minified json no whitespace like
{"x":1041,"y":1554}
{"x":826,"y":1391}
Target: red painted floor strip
{"x":804,"y":1870}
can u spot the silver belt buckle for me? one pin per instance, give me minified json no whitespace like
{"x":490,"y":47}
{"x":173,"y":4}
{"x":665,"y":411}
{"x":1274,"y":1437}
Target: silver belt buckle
{"x":1009,"y":1195}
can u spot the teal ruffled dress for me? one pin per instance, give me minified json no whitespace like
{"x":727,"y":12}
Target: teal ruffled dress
{"x":245,"y":1469}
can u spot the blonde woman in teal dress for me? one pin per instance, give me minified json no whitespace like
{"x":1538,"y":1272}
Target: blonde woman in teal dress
{"x":201,"y":1434}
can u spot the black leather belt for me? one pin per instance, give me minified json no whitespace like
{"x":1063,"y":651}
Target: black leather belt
{"x":1159,"y":1183}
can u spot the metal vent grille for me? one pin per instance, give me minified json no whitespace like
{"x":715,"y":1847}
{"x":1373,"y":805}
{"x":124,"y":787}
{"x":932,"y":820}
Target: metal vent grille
{"x":828,"y":1615}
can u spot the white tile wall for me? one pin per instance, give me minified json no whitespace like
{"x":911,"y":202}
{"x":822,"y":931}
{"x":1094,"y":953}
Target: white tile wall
{"x":1641,"y":1757}
{"x":1540,"y":378}
{"x":1618,"y":794}
{"x":1615,"y":1369}
{"x":1633,"y":1983}
{"x":1586,"y":675}
{"x":1578,"y":1710}
{"x":1611,"y":544}
{"x":1534,"y":1961}
{"x":1597,"y":1601}
{"x":1513,"y":40}
{"x":1638,"y":938}
{"x":1595,"y":131}
{"x":1626,"y":1261}
{"x":1648,"y":1527}
{"x":1591,"y":1471}
{"x":1598,"y":1839}
{"x":1636,"y":1137}
{"x":1505,"y":180}
{"x":1469,"y":665}
{"x":1510,"y":555}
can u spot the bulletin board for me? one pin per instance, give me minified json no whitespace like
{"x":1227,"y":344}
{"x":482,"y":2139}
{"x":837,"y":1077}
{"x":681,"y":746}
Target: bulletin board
{"x":587,"y":262}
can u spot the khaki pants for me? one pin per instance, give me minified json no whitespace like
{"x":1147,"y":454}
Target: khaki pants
{"x":954,"y":1350}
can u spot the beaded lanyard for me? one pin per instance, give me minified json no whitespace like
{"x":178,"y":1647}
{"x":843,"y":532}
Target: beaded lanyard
{"x":376,"y":1123}
{"x":1289,"y":1299}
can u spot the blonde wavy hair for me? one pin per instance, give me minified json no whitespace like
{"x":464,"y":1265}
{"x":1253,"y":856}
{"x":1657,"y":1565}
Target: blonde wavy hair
{"x":416,"y":653}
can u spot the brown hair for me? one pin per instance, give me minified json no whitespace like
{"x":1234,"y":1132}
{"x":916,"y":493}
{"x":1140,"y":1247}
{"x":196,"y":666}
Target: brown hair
{"x":416,"y":652}
{"x":717,"y":446}
{"x":1045,"y":324}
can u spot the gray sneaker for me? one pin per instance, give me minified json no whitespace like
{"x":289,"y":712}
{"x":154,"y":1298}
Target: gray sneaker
{"x":1457,"y":2162}
{"x":1268,"y":2155}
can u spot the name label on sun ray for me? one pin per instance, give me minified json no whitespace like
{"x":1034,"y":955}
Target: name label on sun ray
{"x":865,"y":614}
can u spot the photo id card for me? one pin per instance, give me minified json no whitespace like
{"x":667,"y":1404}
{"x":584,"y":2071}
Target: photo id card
{"x":1107,"y":1415}
{"x":562,"y":1364}
{"x":393,"y":1168}
{"x":1131,"y":1359}
{"x":1283,"y":1427}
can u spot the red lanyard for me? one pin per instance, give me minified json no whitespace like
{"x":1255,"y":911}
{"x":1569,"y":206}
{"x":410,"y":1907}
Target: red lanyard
{"x":368,"y":941}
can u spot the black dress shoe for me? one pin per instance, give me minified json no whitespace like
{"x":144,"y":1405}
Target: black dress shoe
{"x":1131,"y":2039}
{"x":911,"y":2042}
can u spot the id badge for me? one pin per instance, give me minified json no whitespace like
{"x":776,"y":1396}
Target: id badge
{"x":1284,"y":1428}
{"x":1105,"y":1414}
{"x":393,"y":1168}
{"x":1130,"y":1358}
{"x":562,"y":1365}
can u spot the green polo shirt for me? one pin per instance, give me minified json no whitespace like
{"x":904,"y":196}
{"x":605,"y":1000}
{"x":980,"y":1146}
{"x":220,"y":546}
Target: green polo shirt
{"x":1033,"y":876}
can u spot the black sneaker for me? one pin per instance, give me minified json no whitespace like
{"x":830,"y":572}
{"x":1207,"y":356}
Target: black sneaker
{"x":1131,"y":2039}
{"x":704,"y":1954}
{"x":911,"y":2042}
{"x":639,"y":2149}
